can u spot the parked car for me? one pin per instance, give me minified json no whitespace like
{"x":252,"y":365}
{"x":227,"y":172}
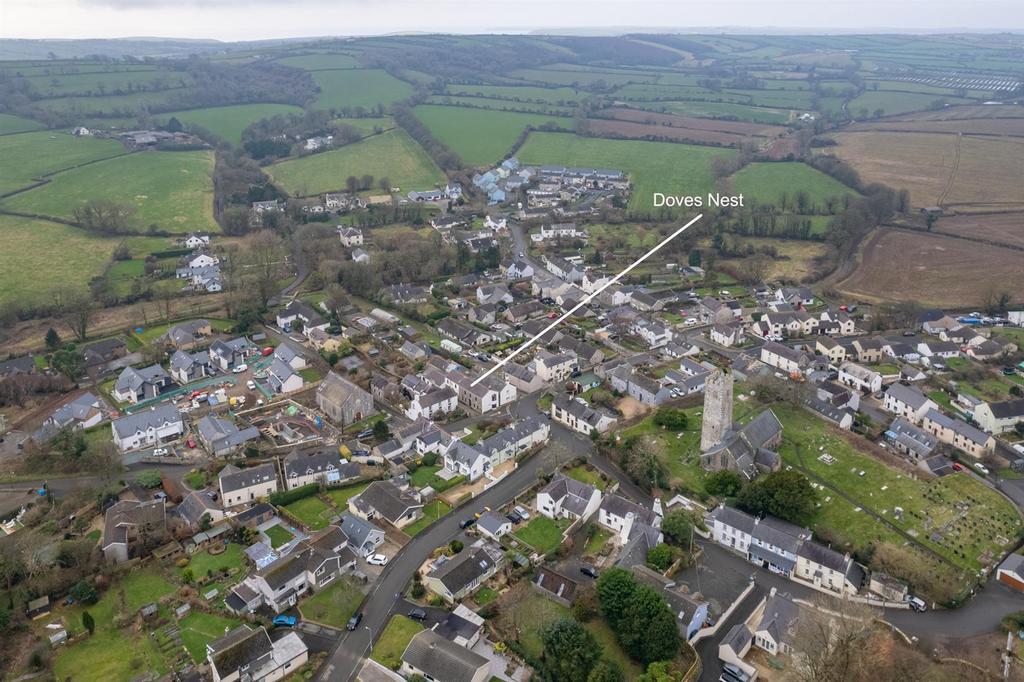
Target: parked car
{"x":466,"y":523}
{"x":285,"y":621}
{"x":159,"y":452}
{"x":418,"y":614}
{"x":522,"y":512}
{"x":240,"y":368}
{"x":269,"y":350}
{"x":377,"y":560}
{"x":982,"y":468}
{"x":354,"y":621}
{"x":917,"y":603}
{"x":514,"y":518}
{"x":251,"y":385}
{"x":588,"y":570}
{"x":365,"y":433}
{"x":191,"y":443}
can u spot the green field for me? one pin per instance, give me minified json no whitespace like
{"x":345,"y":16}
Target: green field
{"x":770,"y":182}
{"x":227,"y":123}
{"x":393,"y":640}
{"x":114,"y":105}
{"x":29,"y":273}
{"x":172,"y":190}
{"x":366,"y":88}
{"x":897,"y":102}
{"x":393,"y":154}
{"x":199,"y":629}
{"x":315,"y":62}
{"x":726,"y":110}
{"x":514,"y":93}
{"x":102,"y":83}
{"x":367,"y":124}
{"x":16,"y":124}
{"x":30,"y":155}
{"x":480,"y":137}
{"x":652,"y":166}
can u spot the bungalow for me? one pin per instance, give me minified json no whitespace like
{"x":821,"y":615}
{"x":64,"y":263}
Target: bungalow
{"x":859,"y":377}
{"x":459,"y":576}
{"x":83,"y":412}
{"x":567,"y":498}
{"x":432,"y":657}
{"x":196,"y":240}
{"x":493,"y":293}
{"x":135,"y":385}
{"x":936,"y":322}
{"x":907,"y":401}
{"x":579,"y":416}
{"x":247,"y":653}
{"x":342,"y":401}
{"x":158,"y":424}
{"x":999,"y":417}
{"x":197,"y":506}
{"x":991,"y":349}
{"x":523,"y":311}
{"x":384,"y":500}
{"x":246,"y":486}
{"x":222,"y":436}
{"x":957,"y":433}
{"x":493,"y":525}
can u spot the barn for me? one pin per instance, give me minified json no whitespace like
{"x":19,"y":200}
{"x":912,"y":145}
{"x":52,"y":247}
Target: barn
{"x":1011,"y":572}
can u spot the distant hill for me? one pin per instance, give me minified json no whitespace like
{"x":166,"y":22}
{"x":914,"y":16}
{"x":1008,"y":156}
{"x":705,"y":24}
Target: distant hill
{"x":118,"y":47}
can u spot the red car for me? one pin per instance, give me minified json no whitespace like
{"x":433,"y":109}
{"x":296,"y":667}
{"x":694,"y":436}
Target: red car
{"x":958,"y":467}
{"x":191,"y":443}
{"x":267,"y":351}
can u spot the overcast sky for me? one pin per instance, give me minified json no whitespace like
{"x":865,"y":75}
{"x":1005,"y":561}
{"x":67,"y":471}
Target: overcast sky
{"x":258,"y":19}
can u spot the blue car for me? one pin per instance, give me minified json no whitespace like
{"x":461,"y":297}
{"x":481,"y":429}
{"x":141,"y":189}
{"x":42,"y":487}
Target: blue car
{"x":285,"y":621}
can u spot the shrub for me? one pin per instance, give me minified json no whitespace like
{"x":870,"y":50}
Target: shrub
{"x":284,"y":497}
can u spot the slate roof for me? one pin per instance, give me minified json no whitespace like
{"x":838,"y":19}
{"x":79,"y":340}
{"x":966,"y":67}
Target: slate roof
{"x":144,"y":419}
{"x":573,"y":494}
{"x":195,"y":505}
{"x":779,"y":618}
{"x":619,"y":506}
{"x":232,"y":478}
{"x":242,"y":646}
{"x":441,"y":659}
{"x":466,"y":566}
{"x":734,"y":518}
{"x":358,"y":530}
{"x":223,"y":433}
{"x":908,"y":395}
{"x":385,"y":498}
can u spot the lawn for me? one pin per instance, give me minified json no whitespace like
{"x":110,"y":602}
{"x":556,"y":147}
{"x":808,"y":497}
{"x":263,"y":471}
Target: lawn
{"x":199,"y":629}
{"x":485,"y":595}
{"x":393,"y":640}
{"x":885,"y":368}
{"x":805,"y":190}
{"x":424,"y":475}
{"x":311,"y":511}
{"x":651,"y":166}
{"x":279,"y":535}
{"x":16,"y":124}
{"x":586,"y":475}
{"x":597,"y":542}
{"x":612,"y":651}
{"x":479,"y":136}
{"x":366,"y":88}
{"x":228,"y":122}
{"x":393,"y":154}
{"x":334,"y":605}
{"x":196,"y":479}
{"x":28,"y":271}
{"x":310,"y":375}
{"x":432,"y":511}
{"x":543,"y":534}
{"x":203,"y":562}
{"x":523,"y":615}
{"x":681,"y":455}
{"x":30,"y":155}
{"x":172,"y":190}
{"x":340,"y":496}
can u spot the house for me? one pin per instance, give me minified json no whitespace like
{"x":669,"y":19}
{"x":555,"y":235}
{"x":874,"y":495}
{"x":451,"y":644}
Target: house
{"x":828,"y":569}
{"x":519,"y":269}
{"x":690,"y":613}
{"x":999,"y":417}
{"x":462,"y":574}
{"x":384,"y":500}
{"x":493,"y":525}
{"x":869,"y":350}
{"x":555,"y":586}
{"x":567,"y":498}
{"x":433,"y":657}
{"x":907,"y":401}
{"x":654,"y":333}
{"x":359,"y":255}
{"x":859,"y":377}
{"x":579,"y":416}
{"x":727,"y":335}
{"x":563,"y":269}
{"x":222,"y":436}
{"x":775,"y":631}
{"x":130,"y":525}
{"x":226,"y":354}
{"x":288,"y":354}
{"x":283,"y":379}
{"x":324,"y":466}
{"x":936,"y":322}
{"x":247,"y":653}
{"x":342,"y":401}
{"x":958,"y":433}
{"x":196,"y":506}
{"x":796,"y":296}
{"x":513,"y":440}
{"x":486,"y":396}
{"x":300,"y":311}
{"x":158,"y":424}
{"x":188,"y":334}
{"x":586,"y":354}
{"x":493,"y":293}
{"x":439,"y":401}
{"x":622,"y":516}
{"x":83,"y":412}
{"x":102,"y":352}
{"x":552,"y":367}
{"x":523,"y":311}
{"x":135,"y":385}
{"x":1011,"y":572}
{"x":188,"y":367}
{"x":245,"y":486}
{"x":991,"y":349}
{"x":910,"y":440}
{"x":774,"y":544}
{"x":645,"y":390}
{"x":342,"y":202}
{"x":465,"y":460}
{"x":712,"y":311}
{"x":26,"y":364}
{"x":363,"y":537}
{"x":938,"y":349}
{"x":831,"y":349}
{"x":732,"y":528}
{"x":785,"y":358}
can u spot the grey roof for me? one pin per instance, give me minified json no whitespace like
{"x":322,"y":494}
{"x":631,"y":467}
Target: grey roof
{"x":386,"y":499}
{"x":911,"y":437}
{"x":734,"y":518}
{"x":779,"y":618}
{"x":573,"y":494}
{"x":143,"y":420}
{"x":779,"y":533}
{"x":908,"y":394}
{"x":469,"y":565}
{"x":78,"y":409}
{"x":455,"y":626}
{"x":242,"y":646}
{"x":341,"y":391}
{"x":620,"y":506}
{"x":133,"y":379}
{"x":738,"y":637}
{"x":23,"y":365}
{"x":195,"y":505}
{"x":441,"y":659}
{"x":824,"y":556}
{"x":491,"y":522}
{"x":1013,"y":562}
{"x":223,"y":434}
{"x":309,"y":463}
{"x":358,"y":530}
{"x":232,"y":478}
{"x":1008,"y":408}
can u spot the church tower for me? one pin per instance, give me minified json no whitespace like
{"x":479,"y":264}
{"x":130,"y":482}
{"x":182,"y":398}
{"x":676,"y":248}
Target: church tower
{"x":717,"y":409}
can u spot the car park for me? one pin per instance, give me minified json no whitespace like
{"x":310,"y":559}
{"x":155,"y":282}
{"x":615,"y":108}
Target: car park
{"x":377,"y":560}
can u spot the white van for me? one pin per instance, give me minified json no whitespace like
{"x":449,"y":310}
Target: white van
{"x":917,"y":603}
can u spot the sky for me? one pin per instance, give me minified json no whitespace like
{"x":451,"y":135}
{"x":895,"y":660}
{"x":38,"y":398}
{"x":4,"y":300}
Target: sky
{"x":233,"y":20}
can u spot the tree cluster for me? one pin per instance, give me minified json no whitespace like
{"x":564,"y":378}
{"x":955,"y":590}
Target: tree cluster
{"x":641,"y":620}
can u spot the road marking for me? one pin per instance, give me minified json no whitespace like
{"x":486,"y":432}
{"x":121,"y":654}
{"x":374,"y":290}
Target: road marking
{"x":587,"y":300}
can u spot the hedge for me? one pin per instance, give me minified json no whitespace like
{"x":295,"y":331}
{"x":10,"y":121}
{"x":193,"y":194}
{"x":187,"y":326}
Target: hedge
{"x":279,"y":499}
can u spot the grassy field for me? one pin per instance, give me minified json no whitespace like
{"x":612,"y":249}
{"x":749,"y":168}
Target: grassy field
{"x":340,"y":496}
{"x":366,"y":88}
{"x":393,"y":640}
{"x":311,"y":511}
{"x":199,"y":629}
{"x":334,"y":605}
{"x":316,"y":62}
{"x":393,"y":154}
{"x":432,"y":511}
{"x":16,"y":124}
{"x":775,"y":182}
{"x":172,"y":190}
{"x":28,"y":271}
{"x":517,"y":94}
{"x":29,"y":155}
{"x":725,"y":110}
{"x":480,"y":137}
{"x":680,"y":454}
{"x":367,"y":124}
{"x":542,"y":534}
{"x":652,"y":166}
{"x":797,"y":258}
{"x":897,"y":102}
{"x":227,"y":123}
{"x":100,"y":83}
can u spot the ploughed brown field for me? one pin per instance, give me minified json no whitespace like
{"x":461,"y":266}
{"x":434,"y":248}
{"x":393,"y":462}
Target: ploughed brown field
{"x":933,"y":270}
{"x":676,"y":121}
{"x":998,"y":228}
{"x":1013,"y":127}
{"x":968,"y":173}
{"x":634,"y":123}
{"x":962,"y":112}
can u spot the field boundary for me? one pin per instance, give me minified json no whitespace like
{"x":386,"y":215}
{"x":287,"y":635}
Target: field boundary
{"x":45,"y":177}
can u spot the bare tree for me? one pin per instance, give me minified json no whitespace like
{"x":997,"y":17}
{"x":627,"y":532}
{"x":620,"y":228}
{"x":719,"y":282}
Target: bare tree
{"x":830,"y":641}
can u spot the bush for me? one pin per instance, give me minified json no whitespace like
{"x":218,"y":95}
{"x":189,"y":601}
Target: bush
{"x":284,"y":497}
{"x":723,"y":483}
{"x":418,"y":591}
{"x":429,"y":459}
{"x":670,"y":418}
{"x":84,"y":593}
{"x":660,"y":557}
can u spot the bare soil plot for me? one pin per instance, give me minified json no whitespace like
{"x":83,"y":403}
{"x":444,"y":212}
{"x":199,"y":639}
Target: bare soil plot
{"x":962,"y":112}
{"x":674,"y":121}
{"x":935,"y":270}
{"x":998,"y":228}
{"x":1013,"y":127}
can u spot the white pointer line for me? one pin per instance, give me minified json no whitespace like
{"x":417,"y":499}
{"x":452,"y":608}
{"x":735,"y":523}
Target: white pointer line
{"x":586,"y":300}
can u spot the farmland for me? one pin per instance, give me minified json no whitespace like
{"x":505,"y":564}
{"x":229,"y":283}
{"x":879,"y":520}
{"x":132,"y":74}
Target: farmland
{"x":890,"y":102}
{"x":320,"y":62}
{"x":638,"y":123}
{"x":16,"y":124}
{"x":30,"y":155}
{"x":652,"y":166}
{"x":789,"y":183}
{"x":28,"y":270}
{"x":721,"y":110}
{"x":1012,"y":127}
{"x":227,"y":123}
{"x":998,"y":228}
{"x":366,"y":88}
{"x":481,"y":137}
{"x":797,"y":259}
{"x":393,"y":154}
{"x":931,"y":269}
{"x":172,"y":190}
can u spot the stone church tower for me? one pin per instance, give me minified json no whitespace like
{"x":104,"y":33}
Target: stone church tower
{"x":717,"y":409}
